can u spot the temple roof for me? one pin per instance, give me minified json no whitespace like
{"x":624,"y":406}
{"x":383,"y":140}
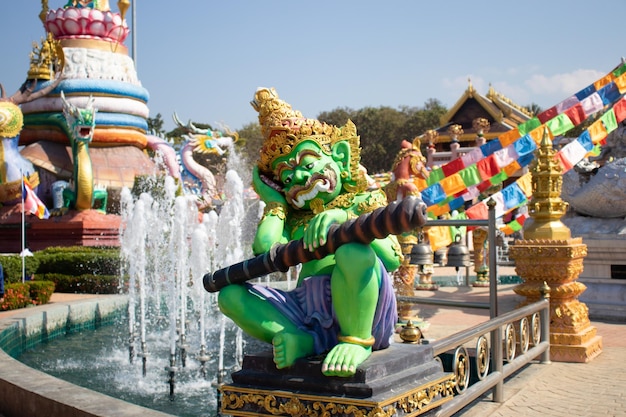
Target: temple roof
{"x":502,"y":114}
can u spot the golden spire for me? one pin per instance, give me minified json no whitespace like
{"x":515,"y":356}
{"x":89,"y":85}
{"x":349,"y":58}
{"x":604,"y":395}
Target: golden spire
{"x":44,"y":11}
{"x":45,"y":58}
{"x":546,"y":206}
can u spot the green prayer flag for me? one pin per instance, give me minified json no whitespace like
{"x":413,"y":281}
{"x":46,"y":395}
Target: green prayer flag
{"x":560,"y":124}
{"x":609,"y":120}
{"x":470,"y":175}
{"x":435,"y":176}
{"x":620,"y":70}
{"x":528,"y":126}
{"x":515,"y":226}
{"x":499,"y":178}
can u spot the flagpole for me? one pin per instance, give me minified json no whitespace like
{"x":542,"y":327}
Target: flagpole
{"x":23,"y":230}
{"x":134,"y":32}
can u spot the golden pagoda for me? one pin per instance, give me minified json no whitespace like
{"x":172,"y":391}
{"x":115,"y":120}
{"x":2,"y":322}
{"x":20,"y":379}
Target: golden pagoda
{"x":549,"y":254}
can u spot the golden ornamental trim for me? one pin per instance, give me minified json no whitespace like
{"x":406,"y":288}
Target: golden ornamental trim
{"x":240,"y":401}
{"x":11,"y":120}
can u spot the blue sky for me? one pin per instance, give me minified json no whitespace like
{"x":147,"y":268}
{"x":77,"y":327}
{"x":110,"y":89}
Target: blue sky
{"x":205,"y":59}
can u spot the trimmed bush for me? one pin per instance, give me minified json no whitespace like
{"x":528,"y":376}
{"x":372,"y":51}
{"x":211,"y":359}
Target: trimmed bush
{"x":20,"y":295}
{"x":40,"y":291}
{"x":15,"y":296}
{"x":84,"y":284}
{"x":12,"y":266}
{"x":79,"y":261}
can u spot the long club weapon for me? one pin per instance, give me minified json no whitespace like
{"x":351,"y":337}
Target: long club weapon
{"x":395,"y":218}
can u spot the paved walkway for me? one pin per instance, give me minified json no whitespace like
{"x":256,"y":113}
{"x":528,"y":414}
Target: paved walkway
{"x":556,"y":389}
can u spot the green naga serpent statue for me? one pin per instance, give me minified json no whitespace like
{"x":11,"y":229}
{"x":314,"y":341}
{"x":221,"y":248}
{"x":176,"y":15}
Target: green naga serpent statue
{"x":80,"y":127}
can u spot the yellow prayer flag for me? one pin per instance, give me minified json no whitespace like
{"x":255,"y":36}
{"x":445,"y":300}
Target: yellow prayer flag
{"x":597,"y":131}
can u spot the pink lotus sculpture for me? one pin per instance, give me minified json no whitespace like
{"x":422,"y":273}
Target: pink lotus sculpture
{"x":86,"y":23}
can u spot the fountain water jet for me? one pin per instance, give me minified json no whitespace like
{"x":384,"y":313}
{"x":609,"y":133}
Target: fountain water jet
{"x":167,"y":247}
{"x":172,"y":323}
{"x":166,"y":250}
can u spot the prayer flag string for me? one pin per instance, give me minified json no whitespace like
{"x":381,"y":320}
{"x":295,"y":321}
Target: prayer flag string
{"x":450,"y":186}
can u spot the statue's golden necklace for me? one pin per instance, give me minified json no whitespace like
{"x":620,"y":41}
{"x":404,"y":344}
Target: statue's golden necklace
{"x":300,"y":218}
{"x":346,"y":201}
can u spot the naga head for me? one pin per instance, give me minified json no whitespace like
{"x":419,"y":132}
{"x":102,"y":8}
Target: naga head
{"x":206,"y":140}
{"x":81,"y":122}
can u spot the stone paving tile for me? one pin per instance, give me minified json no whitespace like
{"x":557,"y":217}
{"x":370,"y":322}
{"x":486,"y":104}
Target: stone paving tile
{"x":557,"y":389}
{"x":562,"y":389}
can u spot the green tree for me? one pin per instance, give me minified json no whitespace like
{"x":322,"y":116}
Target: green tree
{"x":338,"y":116}
{"x":534,"y":108}
{"x":155,"y":124}
{"x":381,"y":134}
{"x":382,"y":129}
{"x":419,"y":120}
{"x":249,"y":143}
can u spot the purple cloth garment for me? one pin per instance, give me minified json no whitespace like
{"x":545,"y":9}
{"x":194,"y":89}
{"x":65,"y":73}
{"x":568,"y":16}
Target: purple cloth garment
{"x":309,"y":306}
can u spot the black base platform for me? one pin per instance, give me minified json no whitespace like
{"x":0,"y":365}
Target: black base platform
{"x":401,"y":380}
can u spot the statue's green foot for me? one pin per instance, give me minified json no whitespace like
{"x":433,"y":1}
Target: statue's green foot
{"x":291,"y":346}
{"x":344,"y":358}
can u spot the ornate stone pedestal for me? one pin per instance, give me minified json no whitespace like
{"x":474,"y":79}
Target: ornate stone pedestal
{"x":425,"y":274}
{"x":479,"y":240}
{"x":482,"y":277}
{"x":401,"y":380}
{"x":403,"y":279}
{"x":558,"y":263}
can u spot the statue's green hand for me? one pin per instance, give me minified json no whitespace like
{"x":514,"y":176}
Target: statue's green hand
{"x":265,"y":191}
{"x":316,"y":232}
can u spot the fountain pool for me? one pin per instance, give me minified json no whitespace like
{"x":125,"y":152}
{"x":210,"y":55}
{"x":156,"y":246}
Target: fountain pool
{"x":172,"y":346}
{"x":110,"y":373}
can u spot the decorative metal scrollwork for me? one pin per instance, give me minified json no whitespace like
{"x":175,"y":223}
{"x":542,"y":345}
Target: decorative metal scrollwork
{"x":524,"y":335}
{"x":483,"y":357}
{"x":461,"y":369}
{"x":509,"y":342}
{"x":535,"y":324}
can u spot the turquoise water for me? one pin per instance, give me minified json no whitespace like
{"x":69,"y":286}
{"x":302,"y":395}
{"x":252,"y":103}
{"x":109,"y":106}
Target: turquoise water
{"x":99,"y":361}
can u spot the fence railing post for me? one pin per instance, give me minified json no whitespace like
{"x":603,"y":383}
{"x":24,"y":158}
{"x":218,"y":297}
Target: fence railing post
{"x":493,"y":264}
{"x":498,"y":366}
{"x":545,"y":323}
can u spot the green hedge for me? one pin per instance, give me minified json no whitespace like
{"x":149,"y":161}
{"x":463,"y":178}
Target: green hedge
{"x":76,"y":269}
{"x":85,"y":284}
{"x":78,"y":261}
{"x":12,"y":266}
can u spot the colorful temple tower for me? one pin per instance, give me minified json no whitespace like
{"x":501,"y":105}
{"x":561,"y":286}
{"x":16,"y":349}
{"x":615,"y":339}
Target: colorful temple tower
{"x":81,"y":64}
{"x":96,"y":65}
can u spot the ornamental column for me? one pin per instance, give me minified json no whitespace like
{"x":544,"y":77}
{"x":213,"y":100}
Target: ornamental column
{"x":549,"y":253}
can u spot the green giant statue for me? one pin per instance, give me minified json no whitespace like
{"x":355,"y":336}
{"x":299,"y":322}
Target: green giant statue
{"x":309,"y":177}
